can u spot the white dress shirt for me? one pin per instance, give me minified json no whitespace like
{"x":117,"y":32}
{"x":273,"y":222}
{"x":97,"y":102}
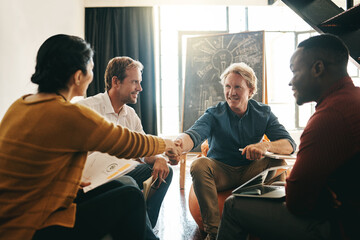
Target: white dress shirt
{"x":127,"y":117}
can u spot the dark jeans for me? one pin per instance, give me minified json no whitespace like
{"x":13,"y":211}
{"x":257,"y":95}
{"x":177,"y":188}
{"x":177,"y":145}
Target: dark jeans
{"x":149,"y":233}
{"x":268,"y":219}
{"x":111,"y":209}
{"x":153,"y":204}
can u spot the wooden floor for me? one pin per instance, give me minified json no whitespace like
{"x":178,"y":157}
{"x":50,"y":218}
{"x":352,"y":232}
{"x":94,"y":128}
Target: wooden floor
{"x":175,"y":221}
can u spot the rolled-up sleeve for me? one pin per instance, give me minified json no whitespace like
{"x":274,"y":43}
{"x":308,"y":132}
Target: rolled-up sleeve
{"x":276,"y":131}
{"x":201,"y":129}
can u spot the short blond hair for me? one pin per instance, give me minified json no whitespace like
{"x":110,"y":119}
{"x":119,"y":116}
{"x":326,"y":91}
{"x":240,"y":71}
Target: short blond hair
{"x":243,"y":70}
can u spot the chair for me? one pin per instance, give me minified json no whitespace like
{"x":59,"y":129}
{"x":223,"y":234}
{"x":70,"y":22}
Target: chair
{"x":195,"y":209}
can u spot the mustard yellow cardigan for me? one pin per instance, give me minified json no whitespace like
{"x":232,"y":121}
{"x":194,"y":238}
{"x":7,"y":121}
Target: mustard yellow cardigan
{"x":43,"y":148}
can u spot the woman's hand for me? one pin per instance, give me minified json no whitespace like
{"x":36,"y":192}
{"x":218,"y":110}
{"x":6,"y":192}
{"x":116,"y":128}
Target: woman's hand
{"x":84,"y":184}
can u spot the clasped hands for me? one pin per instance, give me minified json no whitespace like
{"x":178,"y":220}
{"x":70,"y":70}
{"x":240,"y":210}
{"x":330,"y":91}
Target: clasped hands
{"x":173,"y":150}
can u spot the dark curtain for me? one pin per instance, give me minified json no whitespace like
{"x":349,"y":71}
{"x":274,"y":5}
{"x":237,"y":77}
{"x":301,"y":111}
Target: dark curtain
{"x":125,"y":31}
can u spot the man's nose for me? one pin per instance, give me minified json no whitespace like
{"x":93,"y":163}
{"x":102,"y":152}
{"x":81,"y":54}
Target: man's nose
{"x":139,"y":88}
{"x":231,"y":91}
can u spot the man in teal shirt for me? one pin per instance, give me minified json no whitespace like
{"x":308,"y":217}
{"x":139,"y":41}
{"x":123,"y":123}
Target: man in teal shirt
{"x":240,"y":122}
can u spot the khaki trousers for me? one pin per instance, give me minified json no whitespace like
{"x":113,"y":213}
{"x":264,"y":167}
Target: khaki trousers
{"x":210,"y":176}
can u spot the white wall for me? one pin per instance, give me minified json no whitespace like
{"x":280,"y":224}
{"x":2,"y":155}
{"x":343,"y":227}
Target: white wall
{"x":24,"y":26}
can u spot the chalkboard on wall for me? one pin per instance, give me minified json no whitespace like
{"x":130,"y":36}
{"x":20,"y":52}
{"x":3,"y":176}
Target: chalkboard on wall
{"x":206,"y":58}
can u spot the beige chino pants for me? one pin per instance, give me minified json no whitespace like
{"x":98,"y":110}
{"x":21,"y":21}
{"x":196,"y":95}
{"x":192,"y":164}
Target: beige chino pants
{"x":210,"y":176}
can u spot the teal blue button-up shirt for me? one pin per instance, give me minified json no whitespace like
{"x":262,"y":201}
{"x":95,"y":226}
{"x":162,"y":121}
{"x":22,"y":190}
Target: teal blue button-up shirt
{"x":226,"y":132}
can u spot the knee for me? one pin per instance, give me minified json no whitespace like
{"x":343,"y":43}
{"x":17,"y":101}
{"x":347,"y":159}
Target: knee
{"x":276,"y":162}
{"x":199,"y":166}
{"x":229,"y":203}
{"x":130,"y":192}
{"x":127,"y":181}
{"x":282,"y":162}
{"x":170,"y":175}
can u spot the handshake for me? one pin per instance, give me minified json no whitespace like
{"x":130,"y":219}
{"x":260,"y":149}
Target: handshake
{"x":173,"y":150}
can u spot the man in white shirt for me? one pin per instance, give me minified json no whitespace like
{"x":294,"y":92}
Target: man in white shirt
{"x":123,"y":78}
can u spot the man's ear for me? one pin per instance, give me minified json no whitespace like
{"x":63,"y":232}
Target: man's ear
{"x":114,"y":81}
{"x":251,"y":93}
{"x":318,"y":68}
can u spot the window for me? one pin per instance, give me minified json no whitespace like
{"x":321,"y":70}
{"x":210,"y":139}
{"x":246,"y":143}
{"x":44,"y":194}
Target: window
{"x":177,"y":23}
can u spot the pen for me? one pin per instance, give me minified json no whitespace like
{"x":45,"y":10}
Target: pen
{"x":161,"y":179}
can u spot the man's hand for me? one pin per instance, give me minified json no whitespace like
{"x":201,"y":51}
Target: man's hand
{"x":173,"y":157}
{"x":160,"y":169}
{"x":256,"y":151}
{"x":173,"y":150}
{"x":336,"y":203}
{"x":174,"y":161}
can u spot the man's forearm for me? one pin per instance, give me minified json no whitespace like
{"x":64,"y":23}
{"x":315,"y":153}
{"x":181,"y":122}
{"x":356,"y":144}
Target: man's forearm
{"x":281,"y":146}
{"x":186,"y":141}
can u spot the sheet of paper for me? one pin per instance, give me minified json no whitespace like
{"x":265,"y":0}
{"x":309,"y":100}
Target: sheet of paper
{"x":276,"y":156}
{"x":101,"y":168}
{"x":279,"y":156}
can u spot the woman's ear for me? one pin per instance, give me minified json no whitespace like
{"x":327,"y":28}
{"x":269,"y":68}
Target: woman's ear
{"x":76,"y":80}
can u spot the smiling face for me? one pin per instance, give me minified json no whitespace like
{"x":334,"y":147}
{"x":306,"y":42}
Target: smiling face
{"x":304,"y":82}
{"x":130,"y":87}
{"x":237,"y":93}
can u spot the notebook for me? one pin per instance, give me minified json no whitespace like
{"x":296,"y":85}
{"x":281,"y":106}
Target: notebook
{"x":263,"y":185}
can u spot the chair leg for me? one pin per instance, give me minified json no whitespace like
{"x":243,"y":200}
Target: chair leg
{"x":182,"y":171}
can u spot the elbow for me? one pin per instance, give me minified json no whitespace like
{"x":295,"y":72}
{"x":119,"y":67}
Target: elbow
{"x":290,"y":148}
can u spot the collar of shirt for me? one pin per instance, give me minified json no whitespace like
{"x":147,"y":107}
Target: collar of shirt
{"x":234,"y":115}
{"x":108,"y":108}
{"x":336,"y":86}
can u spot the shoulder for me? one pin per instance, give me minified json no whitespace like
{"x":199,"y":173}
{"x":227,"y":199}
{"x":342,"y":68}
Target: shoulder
{"x":93,"y":100}
{"x":130,"y":110}
{"x":221,"y":107}
{"x":341,"y":106}
{"x":344,"y":102}
{"x":98,"y":102}
{"x":343,"y":98}
{"x":79,"y":109}
{"x":259,"y":106}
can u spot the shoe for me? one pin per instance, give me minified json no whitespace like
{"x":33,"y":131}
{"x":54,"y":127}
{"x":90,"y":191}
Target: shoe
{"x":211,"y":236}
